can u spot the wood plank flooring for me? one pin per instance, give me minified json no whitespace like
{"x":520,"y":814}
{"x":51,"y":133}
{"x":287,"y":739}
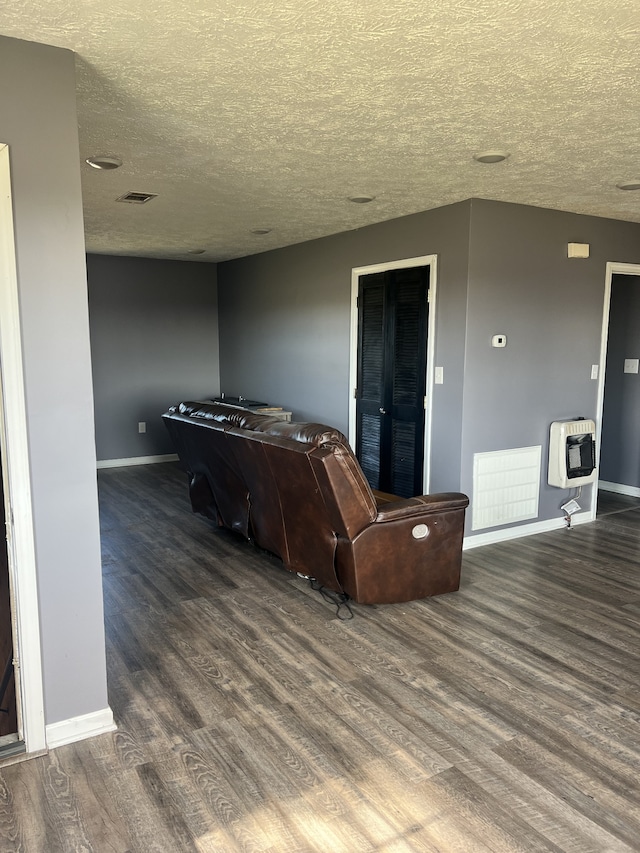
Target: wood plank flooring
{"x":503,"y":718}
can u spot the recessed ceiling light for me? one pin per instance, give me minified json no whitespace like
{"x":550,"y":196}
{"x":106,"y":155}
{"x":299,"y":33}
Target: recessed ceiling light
{"x":491,"y":156}
{"x":629,"y":185}
{"x":361,"y":199}
{"x":197,"y":251}
{"x":260,"y":232}
{"x":103,"y":163}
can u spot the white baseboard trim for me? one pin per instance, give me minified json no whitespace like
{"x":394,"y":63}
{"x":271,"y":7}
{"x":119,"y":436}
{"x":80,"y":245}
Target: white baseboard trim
{"x":79,"y":728}
{"x":136,"y":460}
{"x":492,"y":536}
{"x":619,"y":488}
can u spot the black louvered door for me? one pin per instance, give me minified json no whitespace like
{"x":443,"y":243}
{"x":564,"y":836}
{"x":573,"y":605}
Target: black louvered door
{"x":392,"y":355}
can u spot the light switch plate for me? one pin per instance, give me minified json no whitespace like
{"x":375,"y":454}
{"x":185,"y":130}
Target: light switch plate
{"x":439,"y":376}
{"x":631,"y":365}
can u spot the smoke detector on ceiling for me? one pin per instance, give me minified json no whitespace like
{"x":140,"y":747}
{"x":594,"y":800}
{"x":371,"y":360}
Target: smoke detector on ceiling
{"x":137,"y":198}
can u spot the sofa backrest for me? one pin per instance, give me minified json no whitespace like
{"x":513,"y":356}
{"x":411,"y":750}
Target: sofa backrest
{"x":201,"y":446}
{"x":266,"y":521}
{"x":293,"y":487}
{"x":281,"y":480}
{"x":340,"y":487}
{"x":346,"y":492}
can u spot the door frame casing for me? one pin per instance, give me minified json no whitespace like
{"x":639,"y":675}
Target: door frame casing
{"x":16,"y":469}
{"x":430,"y":261}
{"x":613,"y":268}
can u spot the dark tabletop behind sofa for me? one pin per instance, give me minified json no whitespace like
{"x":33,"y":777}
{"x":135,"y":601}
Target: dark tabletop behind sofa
{"x":298,"y":491}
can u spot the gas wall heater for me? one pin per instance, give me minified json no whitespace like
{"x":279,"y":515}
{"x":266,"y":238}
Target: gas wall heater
{"x":572,"y":453}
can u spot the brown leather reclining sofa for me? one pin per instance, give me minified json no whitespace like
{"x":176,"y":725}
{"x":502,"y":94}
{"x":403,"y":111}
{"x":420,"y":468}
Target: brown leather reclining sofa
{"x":297,"y":490}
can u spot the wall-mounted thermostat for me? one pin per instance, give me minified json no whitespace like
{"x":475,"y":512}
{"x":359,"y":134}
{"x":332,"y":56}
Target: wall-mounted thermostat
{"x":499,"y":341}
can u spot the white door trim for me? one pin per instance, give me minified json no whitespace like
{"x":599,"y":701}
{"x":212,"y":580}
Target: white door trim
{"x":430,"y":261}
{"x":612,"y":269}
{"x":20,"y":536}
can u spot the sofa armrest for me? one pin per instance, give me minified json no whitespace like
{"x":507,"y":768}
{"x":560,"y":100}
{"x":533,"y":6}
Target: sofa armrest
{"x":412,"y":550}
{"x":421,"y":505}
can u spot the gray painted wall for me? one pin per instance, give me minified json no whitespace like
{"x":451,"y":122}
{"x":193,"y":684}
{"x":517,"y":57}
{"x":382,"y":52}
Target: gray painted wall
{"x":154,"y":341}
{"x":39,"y":92}
{"x":284,"y":325}
{"x":285,"y":315}
{"x":550,"y":307}
{"x":620,"y":459}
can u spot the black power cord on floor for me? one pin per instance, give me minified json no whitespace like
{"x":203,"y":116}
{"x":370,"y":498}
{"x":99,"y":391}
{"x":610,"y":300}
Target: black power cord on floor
{"x":338,"y":599}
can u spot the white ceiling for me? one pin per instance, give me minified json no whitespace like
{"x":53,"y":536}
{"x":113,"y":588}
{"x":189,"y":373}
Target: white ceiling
{"x":244,"y":114}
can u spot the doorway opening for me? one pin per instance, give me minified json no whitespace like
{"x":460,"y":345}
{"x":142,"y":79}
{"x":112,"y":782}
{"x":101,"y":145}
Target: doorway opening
{"x":614,"y":272}
{"x":391,"y":372}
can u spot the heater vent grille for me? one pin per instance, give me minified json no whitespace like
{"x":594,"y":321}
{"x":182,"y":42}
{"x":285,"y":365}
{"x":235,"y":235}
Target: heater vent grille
{"x":572,"y":453}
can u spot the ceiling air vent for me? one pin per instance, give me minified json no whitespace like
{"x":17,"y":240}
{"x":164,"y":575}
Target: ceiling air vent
{"x":137,"y":198}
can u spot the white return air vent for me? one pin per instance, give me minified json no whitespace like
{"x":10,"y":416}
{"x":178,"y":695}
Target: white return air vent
{"x":137,"y":198}
{"x":506,"y":486}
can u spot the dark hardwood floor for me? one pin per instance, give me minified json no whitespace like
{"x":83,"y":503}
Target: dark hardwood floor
{"x":504,"y":717}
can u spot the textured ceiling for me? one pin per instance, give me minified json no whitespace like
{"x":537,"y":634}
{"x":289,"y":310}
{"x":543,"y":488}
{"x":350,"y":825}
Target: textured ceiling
{"x":245,"y":114}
